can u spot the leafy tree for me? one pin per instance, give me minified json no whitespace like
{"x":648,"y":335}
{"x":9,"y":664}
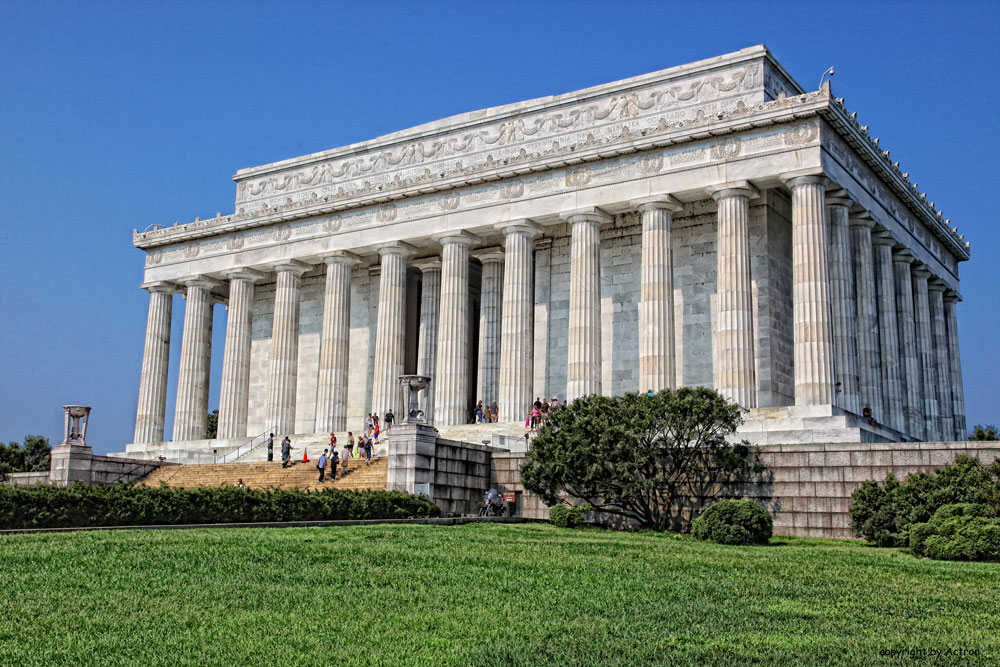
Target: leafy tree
{"x":32,"y":456}
{"x":650,"y":458}
{"x":213,"y":425}
{"x":989,"y":433}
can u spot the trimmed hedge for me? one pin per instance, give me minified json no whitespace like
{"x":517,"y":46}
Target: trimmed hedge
{"x":80,"y":505}
{"x":568,"y":517}
{"x":960,"y":531}
{"x":883,"y":513}
{"x":733,"y":522}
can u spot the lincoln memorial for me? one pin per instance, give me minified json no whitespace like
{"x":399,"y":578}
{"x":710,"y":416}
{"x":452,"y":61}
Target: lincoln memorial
{"x":709,"y":224}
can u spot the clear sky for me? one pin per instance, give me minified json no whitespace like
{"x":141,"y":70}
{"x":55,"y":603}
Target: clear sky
{"x":115,"y":116}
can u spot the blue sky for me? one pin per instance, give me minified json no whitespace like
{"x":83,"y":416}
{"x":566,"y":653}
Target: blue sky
{"x":115,"y":116}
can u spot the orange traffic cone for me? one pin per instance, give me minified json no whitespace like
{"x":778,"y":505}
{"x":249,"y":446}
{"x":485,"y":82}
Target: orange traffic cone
{"x":305,"y":455}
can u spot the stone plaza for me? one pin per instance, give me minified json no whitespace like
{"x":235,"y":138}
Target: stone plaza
{"x":710,"y":224}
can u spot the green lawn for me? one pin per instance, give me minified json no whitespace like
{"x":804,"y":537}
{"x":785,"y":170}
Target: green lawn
{"x":482,"y":594}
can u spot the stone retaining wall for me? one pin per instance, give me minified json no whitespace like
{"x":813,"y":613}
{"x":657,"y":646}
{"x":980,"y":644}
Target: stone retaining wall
{"x":810,"y":486}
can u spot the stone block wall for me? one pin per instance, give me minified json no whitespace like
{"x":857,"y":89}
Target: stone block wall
{"x":809,"y":488}
{"x":27,"y":478}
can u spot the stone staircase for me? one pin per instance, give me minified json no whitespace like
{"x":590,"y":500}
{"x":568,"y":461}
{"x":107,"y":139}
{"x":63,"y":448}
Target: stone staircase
{"x":270,"y":475}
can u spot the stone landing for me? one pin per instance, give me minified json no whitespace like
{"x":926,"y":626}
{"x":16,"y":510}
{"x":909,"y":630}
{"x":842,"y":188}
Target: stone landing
{"x":812,"y":424}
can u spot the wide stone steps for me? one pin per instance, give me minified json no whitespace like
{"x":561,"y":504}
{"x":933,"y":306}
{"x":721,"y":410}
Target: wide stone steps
{"x":270,"y":475}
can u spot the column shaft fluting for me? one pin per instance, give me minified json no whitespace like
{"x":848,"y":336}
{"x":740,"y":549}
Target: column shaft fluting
{"x":888,"y":325}
{"x":656,"y":297}
{"x":939,"y":332}
{"x":234,"y":394}
{"x":869,"y":357}
{"x":150,"y":415}
{"x":390,"y":334}
{"x":925,"y":351}
{"x":452,"y":391}
{"x":909,"y":357}
{"x":811,"y":307}
{"x":490,"y":307}
{"x":955,"y":367}
{"x":732,"y":327}
{"x":517,"y":330}
{"x":844,"y":307}
{"x":583,"y":370}
{"x":191,"y":409}
{"x":430,"y":309}
{"x":284,"y":367}
{"x":334,"y":357}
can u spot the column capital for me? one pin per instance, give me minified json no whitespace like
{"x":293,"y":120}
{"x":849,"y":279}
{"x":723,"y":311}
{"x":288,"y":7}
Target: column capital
{"x":522,"y":226}
{"x":460,"y":236}
{"x":901,"y":255}
{"x":395,"y":248}
{"x":341,"y":257}
{"x":861,"y":219}
{"x":733,"y":189}
{"x":161,"y":286}
{"x":920,"y":270}
{"x":205,"y":282}
{"x":492,"y":254}
{"x":427,"y":264}
{"x":292,"y":266}
{"x":935,"y":284}
{"x":590,"y":214}
{"x":244,"y":274}
{"x":812,"y":176}
{"x":883,"y":239}
{"x":665,"y":202}
{"x":839,"y":198}
{"x":951,"y":296}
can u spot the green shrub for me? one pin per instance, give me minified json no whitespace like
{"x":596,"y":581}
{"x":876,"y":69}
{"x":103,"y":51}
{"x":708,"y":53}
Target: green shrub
{"x":960,"y":531}
{"x":128,"y":505}
{"x":733,"y":522}
{"x":883,"y":513}
{"x":568,"y":517}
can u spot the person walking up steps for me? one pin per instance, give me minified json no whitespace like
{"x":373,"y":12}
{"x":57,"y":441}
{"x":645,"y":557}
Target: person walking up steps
{"x":349,"y":447}
{"x":321,"y":466}
{"x":286,"y":451}
{"x":389,"y":419}
{"x":270,"y":447}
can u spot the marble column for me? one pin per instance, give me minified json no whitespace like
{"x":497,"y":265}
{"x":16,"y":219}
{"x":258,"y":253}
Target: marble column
{"x":284,"y":367}
{"x":888,"y":326}
{"x":732,"y":327}
{"x":430,"y":309}
{"x":657,"y":366}
{"x":939,"y":333}
{"x":844,"y":305}
{"x":925,"y":352}
{"x":955,"y":366}
{"x":490,"y":316}
{"x":150,"y":415}
{"x":517,"y":343}
{"x":390,"y":335}
{"x":452,"y":391}
{"x":902,"y":264}
{"x":234,"y":395}
{"x":191,"y":408}
{"x":334,"y":360}
{"x":583,"y":370}
{"x":869,"y":357}
{"x":811,"y":303}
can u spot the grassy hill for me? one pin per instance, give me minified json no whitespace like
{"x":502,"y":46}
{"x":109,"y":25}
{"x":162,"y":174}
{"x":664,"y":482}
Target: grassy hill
{"x":480,"y":595}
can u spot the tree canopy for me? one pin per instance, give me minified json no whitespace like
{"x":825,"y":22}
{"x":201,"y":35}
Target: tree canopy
{"x":32,"y":456}
{"x":645,"y":457}
{"x":984,"y":433}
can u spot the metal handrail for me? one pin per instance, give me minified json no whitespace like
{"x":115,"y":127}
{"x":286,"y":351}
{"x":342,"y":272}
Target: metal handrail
{"x":243,"y":450}
{"x":127,"y":473}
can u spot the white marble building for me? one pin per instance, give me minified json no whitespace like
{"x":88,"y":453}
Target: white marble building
{"x":709,"y":224}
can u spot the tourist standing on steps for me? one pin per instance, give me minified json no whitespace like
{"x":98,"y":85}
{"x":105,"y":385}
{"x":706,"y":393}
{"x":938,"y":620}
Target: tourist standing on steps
{"x":333,"y":442}
{"x":376,"y":431}
{"x":389,"y":419}
{"x":349,"y":447}
{"x":332,"y":464}
{"x":368,"y":450}
{"x":286,"y":452}
{"x":369,"y":424}
{"x":496,"y":411}
{"x":479,"y":412}
{"x":321,"y":466}
{"x":270,"y":447}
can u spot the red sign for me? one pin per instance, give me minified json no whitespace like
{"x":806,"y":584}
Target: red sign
{"x":508,"y":496}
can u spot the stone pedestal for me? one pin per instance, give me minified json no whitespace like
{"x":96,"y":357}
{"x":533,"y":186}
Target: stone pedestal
{"x":70,"y":463}
{"x":411,"y":458}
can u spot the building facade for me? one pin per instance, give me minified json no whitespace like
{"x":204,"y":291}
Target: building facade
{"x":710,"y":224}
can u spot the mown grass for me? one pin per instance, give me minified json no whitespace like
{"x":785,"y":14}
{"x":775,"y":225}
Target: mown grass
{"x":480,"y":594}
